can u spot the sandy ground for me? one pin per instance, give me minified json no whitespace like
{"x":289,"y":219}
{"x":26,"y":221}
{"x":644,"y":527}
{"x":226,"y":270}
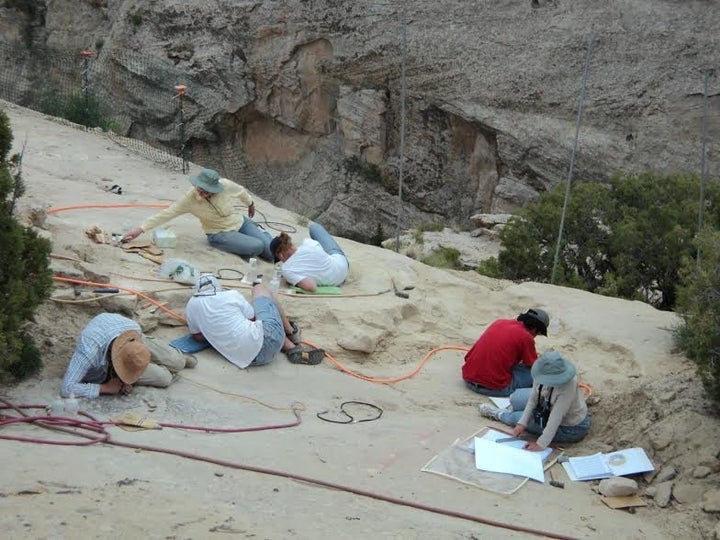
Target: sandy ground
{"x":644,"y":393}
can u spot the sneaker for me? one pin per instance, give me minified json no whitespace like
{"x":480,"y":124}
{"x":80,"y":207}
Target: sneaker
{"x":488,"y":411}
{"x":190,"y":361}
{"x":296,"y":333}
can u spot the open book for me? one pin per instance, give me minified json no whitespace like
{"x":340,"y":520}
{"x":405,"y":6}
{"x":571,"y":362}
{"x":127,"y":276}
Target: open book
{"x":599,"y":466}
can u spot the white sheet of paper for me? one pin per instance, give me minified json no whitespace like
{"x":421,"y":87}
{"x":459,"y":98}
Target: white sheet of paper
{"x":501,"y":402}
{"x":502,"y":458}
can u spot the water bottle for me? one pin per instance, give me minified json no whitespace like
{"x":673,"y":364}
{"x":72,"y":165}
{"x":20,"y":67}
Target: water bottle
{"x":277,"y":276}
{"x":72,"y":406}
{"x":251,"y":274}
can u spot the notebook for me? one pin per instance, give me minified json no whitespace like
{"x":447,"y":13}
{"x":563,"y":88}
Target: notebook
{"x":599,"y":466}
{"x":188,"y":344}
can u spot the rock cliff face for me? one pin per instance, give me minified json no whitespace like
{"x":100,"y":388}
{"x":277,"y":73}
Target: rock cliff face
{"x":301,"y":100}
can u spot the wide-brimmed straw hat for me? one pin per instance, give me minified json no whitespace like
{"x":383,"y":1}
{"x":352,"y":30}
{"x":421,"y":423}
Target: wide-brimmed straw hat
{"x":129,"y":356}
{"x":551,"y":369}
{"x":207,"y":179}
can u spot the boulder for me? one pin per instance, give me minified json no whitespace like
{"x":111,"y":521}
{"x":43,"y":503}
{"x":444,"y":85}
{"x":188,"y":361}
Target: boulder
{"x":666,"y":473}
{"x":701,"y":471}
{"x":687,"y":493}
{"x":711,"y":501}
{"x":618,"y":486}
{"x":488,"y":221}
{"x":663,"y":494}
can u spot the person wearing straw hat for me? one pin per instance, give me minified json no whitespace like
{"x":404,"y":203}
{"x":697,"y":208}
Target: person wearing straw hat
{"x":244,"y":334}
{"x":211,"y":200}
{"x":555,"y":408}
{"x":500,"y":360}
{"x":112,"y":355}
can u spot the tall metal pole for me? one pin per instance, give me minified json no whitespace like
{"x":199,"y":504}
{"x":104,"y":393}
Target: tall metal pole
{"x":402,"y":129}
{"x":86,"y":54}
{"x":182,"y":152}
{"x":588,"y":58}
{"x":702,"y":159}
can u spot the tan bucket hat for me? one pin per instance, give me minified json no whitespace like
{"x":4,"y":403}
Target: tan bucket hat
{"x":129,"y":356}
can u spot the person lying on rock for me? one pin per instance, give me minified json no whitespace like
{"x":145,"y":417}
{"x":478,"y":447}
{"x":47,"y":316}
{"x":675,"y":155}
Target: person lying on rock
{"x":554,"y":408}
{"x":112,"y":355}
{"x":245,"y":334}
{"x":500,"y":360}
{"x":211,"y":200}
{"x":318,"y":261}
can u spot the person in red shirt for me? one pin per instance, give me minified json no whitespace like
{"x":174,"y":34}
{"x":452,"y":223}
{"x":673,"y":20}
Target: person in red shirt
{"x":500,"y":361}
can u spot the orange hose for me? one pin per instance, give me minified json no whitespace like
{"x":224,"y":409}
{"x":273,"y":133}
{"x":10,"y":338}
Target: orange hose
{"x":133,"y":291}
{"x":417,"y":368}
{"x":586,"y":388}
{"x":56,"y":209}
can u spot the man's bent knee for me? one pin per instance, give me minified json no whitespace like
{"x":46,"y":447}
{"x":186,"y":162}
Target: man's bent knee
{"x":155,"y":375}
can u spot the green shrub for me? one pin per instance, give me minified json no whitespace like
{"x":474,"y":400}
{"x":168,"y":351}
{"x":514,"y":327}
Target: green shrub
{"x":435,"y":226}
{"x":444,"y":257}
{"x":699,"y":305}
{"x":25,"y":277}
{"x":625,"y":239}
{"x":379,"y":236}
{"x":86,"y":110}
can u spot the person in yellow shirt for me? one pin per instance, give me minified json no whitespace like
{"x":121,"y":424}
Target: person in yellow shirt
{"x":211,"y":200}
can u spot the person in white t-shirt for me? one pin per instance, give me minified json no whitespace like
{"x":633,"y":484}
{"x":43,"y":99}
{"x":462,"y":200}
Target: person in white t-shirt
{"x":245,"y":334}
{"x":318,"y":261}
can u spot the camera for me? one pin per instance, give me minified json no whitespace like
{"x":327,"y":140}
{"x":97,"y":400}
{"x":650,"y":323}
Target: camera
{"x":541,"y":413}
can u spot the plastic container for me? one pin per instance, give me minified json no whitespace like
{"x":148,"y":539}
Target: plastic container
{"x":164,"y":238}
{"x":277,"y":278}
{"x":72,"y":406}
{"x":251,"y":274}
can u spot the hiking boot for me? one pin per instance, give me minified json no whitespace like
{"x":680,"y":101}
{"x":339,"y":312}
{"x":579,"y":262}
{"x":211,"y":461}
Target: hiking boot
{"x":488,"y":411}
{"x":296,"y":333}
{"x":190,"y":361}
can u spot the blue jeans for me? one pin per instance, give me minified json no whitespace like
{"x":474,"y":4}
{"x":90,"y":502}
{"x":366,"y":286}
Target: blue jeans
{"x":249,"y":241}
{"x":564,"y":434}
{"x":322,"y":237}
{"x":273,"y":332}
{"x":521,"y":378}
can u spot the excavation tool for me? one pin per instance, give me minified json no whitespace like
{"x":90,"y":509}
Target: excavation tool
{"x":508,"y":439}
{"x":555,"y":483}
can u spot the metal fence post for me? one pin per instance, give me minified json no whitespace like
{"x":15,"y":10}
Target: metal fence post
{"x":403,"y":92}
{"x":180,"y":90}
{"x":86,"y":54}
